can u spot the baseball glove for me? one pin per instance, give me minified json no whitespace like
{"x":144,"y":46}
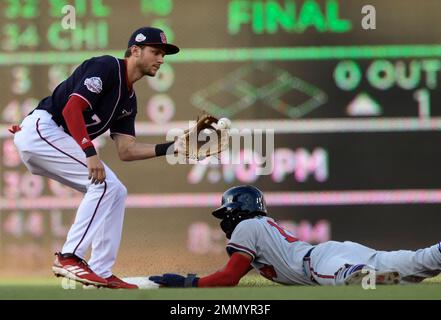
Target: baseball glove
{"x":204,"y":139}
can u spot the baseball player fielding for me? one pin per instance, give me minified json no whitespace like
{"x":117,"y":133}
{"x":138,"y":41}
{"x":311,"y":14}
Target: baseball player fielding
{"x":55,"y":141}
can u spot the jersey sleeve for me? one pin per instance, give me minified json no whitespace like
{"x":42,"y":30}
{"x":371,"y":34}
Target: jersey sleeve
{"x":124,"y":126}
{"x":125,"y":123}
{"x":96,"y":77}
{"x":244,"y":238}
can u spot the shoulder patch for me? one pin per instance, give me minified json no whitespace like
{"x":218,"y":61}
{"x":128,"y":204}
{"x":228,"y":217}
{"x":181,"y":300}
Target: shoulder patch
{"x":94,"y":84}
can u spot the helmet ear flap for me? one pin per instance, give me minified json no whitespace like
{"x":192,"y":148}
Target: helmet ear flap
{"x":228,"y":227}
{"x":232,"y":218}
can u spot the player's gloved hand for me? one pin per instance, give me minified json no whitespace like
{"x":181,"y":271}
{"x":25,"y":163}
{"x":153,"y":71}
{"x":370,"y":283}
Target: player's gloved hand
{"x":96,"y":169}
{"x":218,"y":141}
{"x":172,"y":280}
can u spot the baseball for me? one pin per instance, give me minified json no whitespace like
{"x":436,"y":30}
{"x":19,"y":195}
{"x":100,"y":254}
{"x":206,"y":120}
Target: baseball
{"x":224,"y":123}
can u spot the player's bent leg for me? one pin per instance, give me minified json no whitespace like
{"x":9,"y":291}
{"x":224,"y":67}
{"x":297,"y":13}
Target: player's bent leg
{"x":105,"y":244}
{"x":87,"y":220}
{"x":104,"y":226}
{"x":48,"y":151}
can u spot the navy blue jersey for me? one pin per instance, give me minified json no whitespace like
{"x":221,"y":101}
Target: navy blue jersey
{"x":101,"y":82}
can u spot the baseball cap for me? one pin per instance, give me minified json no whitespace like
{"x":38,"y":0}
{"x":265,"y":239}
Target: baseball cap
{"x":152,"y":37}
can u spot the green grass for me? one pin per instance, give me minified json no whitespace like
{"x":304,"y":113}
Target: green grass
{"x":250,"y":288}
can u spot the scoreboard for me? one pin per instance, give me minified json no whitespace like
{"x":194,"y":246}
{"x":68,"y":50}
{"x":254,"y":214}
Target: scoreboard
{"x":355,"y":114}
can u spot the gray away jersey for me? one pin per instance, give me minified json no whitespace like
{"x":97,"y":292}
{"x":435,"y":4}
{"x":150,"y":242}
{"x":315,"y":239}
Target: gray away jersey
{"x":276,"y":253}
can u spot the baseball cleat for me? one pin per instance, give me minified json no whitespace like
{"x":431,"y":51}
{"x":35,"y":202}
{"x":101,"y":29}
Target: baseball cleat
{"x":71,"y":267}
{"x":356,"y":273}
{"x":113,"y":282}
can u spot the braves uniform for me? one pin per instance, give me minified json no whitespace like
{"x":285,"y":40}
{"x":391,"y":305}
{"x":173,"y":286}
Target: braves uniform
{"x":282,"y":258}
{"x":47,"y":149}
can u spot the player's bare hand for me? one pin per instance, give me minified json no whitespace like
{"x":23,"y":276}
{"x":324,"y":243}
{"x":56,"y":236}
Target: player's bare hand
{"x":97,"y":172}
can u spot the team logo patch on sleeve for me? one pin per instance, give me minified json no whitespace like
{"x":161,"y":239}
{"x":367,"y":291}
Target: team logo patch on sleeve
{"x":94,"y":84}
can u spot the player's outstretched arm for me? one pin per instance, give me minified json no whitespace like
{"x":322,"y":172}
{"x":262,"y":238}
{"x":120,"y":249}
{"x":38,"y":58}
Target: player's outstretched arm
{"x":238,"y":266}
{"x":130,"y":150}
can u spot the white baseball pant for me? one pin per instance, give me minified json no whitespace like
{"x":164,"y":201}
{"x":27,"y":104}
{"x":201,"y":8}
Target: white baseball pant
{"x":328,"y":257}
{"x":48,"y":151}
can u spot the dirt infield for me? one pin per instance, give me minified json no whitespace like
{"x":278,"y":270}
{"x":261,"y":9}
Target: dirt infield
{"x":132,"y":263}
{"x":152,"y":242}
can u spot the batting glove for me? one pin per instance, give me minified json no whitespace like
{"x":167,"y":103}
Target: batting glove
{"x":172,"y":280}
